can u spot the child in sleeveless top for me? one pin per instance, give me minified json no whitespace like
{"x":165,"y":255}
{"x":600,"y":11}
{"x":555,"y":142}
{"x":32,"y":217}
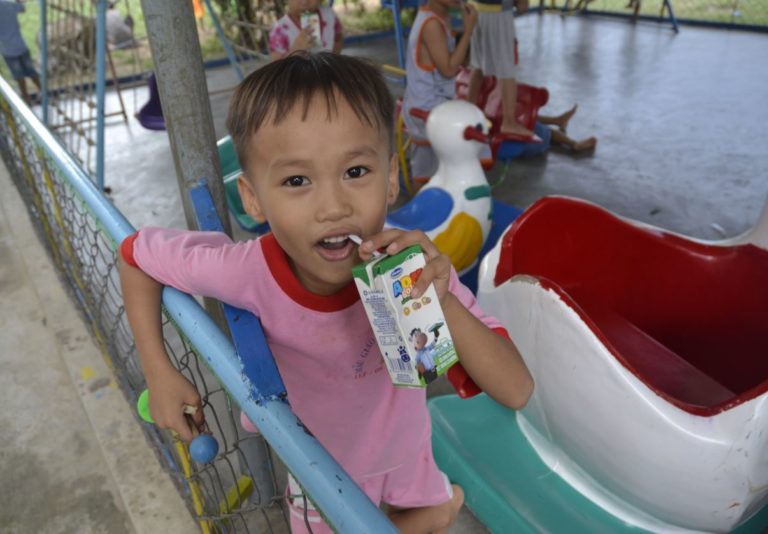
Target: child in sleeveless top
{"x":432,"y":63}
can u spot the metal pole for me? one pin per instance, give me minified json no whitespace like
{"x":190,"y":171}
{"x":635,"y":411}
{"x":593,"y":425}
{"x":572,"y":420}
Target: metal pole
{"x":101,"y":87}
{"x":44,"y":58}
{"x":183,"y":92}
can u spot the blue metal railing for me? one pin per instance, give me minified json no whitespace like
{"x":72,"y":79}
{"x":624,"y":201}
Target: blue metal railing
{"x":342,"y":502}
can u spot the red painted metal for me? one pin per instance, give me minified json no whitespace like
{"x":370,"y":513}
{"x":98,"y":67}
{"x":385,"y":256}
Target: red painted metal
{"x":690,"y":319}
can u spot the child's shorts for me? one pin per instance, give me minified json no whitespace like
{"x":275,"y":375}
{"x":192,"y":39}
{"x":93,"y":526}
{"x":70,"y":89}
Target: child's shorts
{"x":21,"y":66}
{"x":493,"y":47}
{"x":416,"y":484}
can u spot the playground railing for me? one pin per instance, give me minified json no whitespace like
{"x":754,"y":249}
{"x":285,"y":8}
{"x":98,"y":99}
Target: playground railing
{"x":81,"y":229}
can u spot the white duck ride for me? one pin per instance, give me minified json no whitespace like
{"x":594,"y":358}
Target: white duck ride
{"x":454,"y":208}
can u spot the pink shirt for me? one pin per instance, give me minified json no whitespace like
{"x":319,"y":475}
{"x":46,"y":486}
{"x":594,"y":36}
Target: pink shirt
{"x":323,"y":345}
{"x":285,"y":31}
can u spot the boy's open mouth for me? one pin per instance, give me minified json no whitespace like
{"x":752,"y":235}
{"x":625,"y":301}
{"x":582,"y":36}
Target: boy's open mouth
{"x":335,"y":248}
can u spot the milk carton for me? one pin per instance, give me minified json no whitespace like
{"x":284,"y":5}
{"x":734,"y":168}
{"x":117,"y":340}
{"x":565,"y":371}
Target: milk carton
{"x":313,"y":20}
{"x":411,"y":332}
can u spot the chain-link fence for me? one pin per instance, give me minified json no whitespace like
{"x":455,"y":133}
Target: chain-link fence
{"x":225,"y":495}
{"x":242,"y":27}
{"x":81,"y":229}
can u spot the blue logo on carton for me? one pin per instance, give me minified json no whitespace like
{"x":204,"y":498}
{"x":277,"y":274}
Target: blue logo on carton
{"x":403,"y":354}
{"x":396,"y":272}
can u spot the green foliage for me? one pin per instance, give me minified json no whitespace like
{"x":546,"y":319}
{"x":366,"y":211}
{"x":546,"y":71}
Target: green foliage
{"x":361,"y":20}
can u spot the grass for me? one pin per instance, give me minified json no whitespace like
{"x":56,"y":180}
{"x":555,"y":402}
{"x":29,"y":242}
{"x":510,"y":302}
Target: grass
{"x":752,"y":12}
{"x":361,"y":19}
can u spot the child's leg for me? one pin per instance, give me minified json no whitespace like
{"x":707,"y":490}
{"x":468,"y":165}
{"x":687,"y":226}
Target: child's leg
{"x":475,"y":82}
{"x":577,"y":146}
{"x":561,"y":121}
{"x":435,"y":519}
{"x":23,"y":89}
{"x":509,"y":122}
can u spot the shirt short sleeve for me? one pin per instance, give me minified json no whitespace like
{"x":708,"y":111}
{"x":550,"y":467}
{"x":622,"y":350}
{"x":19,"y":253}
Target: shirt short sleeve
{"x":200,"y":263}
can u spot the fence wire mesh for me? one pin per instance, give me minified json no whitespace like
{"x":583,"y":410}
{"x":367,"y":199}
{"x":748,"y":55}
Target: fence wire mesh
{"x":231,"y":494}
{"x":246,"y":24}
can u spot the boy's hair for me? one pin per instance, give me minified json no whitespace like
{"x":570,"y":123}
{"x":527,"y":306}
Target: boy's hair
{"x":273,"y":90}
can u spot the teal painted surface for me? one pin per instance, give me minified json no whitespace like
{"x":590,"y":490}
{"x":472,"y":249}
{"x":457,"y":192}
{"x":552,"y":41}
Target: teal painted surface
{"x":230,"y":170}
{"x":479,"y":445}
{"x":227,"y":156}
{"x":236,"y":204}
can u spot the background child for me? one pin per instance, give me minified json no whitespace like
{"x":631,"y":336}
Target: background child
{"x":432,"y":62}
{"x":287,"y":34}
{"x":314,"y":134}
{"x":557,"y":135}
{"x":14,"y":49}
{"x":494,"y":53}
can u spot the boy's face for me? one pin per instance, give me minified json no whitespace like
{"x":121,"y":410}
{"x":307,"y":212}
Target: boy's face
{"x":316,"y":181}
{"x":419,"y":340}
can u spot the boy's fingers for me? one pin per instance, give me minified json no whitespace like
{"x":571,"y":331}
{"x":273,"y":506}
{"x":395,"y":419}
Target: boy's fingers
{"x":432,"y":270}
{"x":198,"y":417}
{"x":180,"y":425}
{"x":377,"y":241}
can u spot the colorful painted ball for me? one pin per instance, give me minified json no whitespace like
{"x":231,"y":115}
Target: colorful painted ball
{"x":204,"y":448}
{"x":142,"y":405}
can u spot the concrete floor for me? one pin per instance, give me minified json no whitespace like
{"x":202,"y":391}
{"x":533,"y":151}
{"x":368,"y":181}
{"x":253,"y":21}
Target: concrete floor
{"x":681,"y":124}
{"x":72,"y":456}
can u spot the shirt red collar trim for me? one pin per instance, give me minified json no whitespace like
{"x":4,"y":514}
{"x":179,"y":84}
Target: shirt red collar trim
{"x":277,"y":261}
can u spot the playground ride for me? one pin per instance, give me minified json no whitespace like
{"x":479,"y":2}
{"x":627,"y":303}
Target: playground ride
{"x":455,"y":208}
{"x":648,"y":353}
{"x":529,"y":100}
{"x":504,"y":147}
{"x":150,"y":116}
{"x":230,"y":170}
{"x":203,"y":448}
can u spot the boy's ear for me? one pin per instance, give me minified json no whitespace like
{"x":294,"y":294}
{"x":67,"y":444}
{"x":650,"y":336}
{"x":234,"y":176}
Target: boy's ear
{"x":249,"y":199}
{"x":394,"y":179}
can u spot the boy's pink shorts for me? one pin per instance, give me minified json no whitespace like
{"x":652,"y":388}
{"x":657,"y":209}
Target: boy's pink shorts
{"x":416,"y":484}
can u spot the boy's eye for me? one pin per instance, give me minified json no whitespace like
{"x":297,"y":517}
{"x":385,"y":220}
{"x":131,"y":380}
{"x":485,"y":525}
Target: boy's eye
{"x":296,"y":181}
{"x":357,"y":172}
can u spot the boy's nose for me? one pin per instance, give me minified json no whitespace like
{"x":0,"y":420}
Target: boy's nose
{"x":332,"y":204}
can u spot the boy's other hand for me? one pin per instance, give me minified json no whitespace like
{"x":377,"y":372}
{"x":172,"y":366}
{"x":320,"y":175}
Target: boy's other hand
{"x":437,"y":270}
{"x":169,"y":393}
{"x":469,"y":14}
{"x":304,"y":40}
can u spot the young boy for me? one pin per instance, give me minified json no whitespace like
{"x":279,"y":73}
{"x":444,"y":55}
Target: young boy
{"x":432,"y":62}
{"x":314,"y":135}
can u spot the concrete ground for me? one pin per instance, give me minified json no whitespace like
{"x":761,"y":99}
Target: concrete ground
{"x":72,"y":456}
{"x":681,"y":124}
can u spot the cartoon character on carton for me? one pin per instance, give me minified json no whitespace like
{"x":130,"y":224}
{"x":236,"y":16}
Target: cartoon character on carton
{"x":426,"y":353}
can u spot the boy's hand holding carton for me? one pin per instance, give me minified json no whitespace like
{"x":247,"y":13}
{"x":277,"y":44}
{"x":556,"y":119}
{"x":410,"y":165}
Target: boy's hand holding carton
{"x":401,"y":293}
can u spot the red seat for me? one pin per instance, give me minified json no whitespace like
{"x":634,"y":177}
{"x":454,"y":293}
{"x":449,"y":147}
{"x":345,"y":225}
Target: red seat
{"x":529,"y":100}
{"x":689,"y":319}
